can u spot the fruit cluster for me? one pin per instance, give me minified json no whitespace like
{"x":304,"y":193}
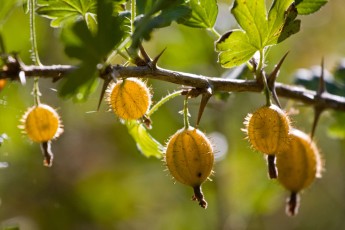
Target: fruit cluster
{"x":292,"y":155}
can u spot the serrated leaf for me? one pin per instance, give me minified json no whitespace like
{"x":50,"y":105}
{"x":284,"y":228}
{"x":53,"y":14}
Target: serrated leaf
{"x":258,"y":29}
{"x":309,"y":6}
{"x":203,"y":14}
{"x":234,"y":48}
{"x":64,"y":11}
{"x":146,"y":144}
{"x":251,"y":16}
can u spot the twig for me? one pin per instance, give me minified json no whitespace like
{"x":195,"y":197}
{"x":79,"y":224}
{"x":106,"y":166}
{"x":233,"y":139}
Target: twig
{"x":309,"y":97}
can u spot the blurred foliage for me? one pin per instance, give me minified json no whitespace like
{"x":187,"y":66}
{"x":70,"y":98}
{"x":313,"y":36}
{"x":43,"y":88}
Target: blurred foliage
{"x":99,"y":180}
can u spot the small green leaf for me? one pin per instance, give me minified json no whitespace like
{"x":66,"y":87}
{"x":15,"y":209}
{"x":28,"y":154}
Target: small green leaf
{"x":203,"y":14}
{"x":65,"y":11}
{"x":146,"y":144}
{"x":337,"y":129}
{"x":251,"y":16}
{"x":309,"y":6}
{"x":234,"y":48}
{"x":258,"y":30}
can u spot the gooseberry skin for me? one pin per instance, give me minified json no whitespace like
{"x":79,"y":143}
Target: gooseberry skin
{"x":189,"y":157}
{"x":41,"y":123}
{"x":130,"y":98}
{"x":300,"y":163}
{"x":297,"y":167}
{"x":268,"y":129}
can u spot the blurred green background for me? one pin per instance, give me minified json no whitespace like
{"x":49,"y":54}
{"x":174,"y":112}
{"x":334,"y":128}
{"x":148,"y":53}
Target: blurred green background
{"x":99,"y":179}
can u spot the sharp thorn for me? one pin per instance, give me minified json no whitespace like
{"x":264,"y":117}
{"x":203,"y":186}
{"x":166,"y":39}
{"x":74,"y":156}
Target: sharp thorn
{"x":204,"y":99}
{"x":155,"y":60}
{"x":146,"y":57}
{"x":273,"y":76}
{"x":104,"y":88}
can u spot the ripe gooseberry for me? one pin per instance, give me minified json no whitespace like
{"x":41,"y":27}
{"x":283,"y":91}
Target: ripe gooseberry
{"x":189,"y":158}
{"x":298,"y":166}
{"x":267,"y":130}
{"x":130,"y":98}
{"x":42,"y":124}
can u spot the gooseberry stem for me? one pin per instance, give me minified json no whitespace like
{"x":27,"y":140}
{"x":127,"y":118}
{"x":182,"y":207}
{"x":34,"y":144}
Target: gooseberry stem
{"x":199,"y":196}
{"x":47,"y":153}
{"x":272,"y":171}
{"x":35,"y":57}
{"x":163,"y":101}
{"x":186,"y":113}
{"x":292,"y":204}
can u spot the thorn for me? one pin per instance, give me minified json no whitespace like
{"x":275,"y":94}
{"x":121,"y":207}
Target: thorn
{"x":146,"y":57}
{"x":204,"y":99}
{"x":104,"y":88}
{"x":318,"y":108}
{"x":273,"y":76}
{"x":272,"y":79}
{"x":155,"y":60}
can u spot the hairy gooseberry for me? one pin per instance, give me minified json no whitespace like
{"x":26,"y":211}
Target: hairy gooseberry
{"x":130,"y":98}
{"x":267,"y":131}
{"x":189,"y":158}
{"x":298,"y":166}
{"x":41,"y":123}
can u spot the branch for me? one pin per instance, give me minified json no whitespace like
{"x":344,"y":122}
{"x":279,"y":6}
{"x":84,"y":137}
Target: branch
{"x":309,"y":97}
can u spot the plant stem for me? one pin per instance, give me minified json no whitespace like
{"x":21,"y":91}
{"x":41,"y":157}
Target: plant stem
{"x":133,"y":15}
{"x":260,"y":75}
{"x":186,"y":113}
{"x":215,"y":32}
{"x":36,"y":92}
{"x":163,"y":101}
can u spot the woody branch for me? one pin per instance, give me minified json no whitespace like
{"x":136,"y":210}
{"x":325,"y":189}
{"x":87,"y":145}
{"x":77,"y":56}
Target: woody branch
{"x":309,"y":97}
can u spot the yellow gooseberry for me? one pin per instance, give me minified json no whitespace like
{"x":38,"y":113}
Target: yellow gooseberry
{"x":130,"y":98}
{"x":41,"y":123}
{"x":189,"y":158}
{"x":298,"y":166}
{"x":267,"y":130}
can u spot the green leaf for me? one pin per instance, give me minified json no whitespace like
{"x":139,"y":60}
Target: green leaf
{"x":91,"y":48}
{"x":251,"y":16}
{"x":258,"y":30}
{"x":309,"y":6}
{"x":146,"y":144}
{"x":203,"y":14}
{"x":65,"y":11}
{"x":234,"y":48}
